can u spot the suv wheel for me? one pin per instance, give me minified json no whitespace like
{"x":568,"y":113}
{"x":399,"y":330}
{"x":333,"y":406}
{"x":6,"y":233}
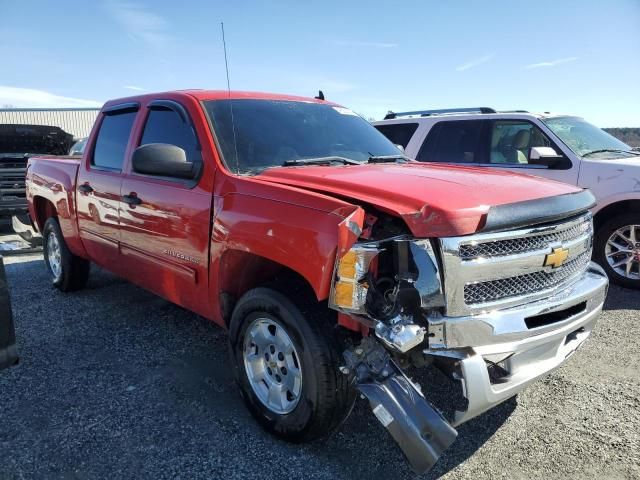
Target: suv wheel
{"x":68,"y":271}
{"x":617,"y":249}
{"x":287,"y":365}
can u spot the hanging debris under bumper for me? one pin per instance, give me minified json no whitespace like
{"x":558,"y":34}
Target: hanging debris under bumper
{"x":419,"y":429}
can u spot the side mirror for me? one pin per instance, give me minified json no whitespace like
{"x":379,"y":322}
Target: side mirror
{"x":548,"y":157}
{"x":400,"y":147}
{"x":163,"y":160}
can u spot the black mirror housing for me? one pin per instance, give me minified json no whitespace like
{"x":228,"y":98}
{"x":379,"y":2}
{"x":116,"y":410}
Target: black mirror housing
{"x":163,"y":160}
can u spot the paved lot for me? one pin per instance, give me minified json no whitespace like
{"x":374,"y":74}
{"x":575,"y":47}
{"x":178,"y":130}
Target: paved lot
{"x":117,"y":383}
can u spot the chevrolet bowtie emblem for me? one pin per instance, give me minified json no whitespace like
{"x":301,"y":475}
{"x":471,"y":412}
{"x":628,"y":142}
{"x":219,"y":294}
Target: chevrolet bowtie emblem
{"x":556,"y":258}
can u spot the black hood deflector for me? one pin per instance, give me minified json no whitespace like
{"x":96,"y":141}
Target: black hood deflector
{"x":537,"y":212}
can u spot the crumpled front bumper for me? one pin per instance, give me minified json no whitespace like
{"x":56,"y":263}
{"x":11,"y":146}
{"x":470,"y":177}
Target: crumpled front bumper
{"x":523,"y":352}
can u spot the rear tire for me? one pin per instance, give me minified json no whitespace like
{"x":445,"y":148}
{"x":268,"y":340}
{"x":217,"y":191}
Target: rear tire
{"x":325,"y":398}
{"x":617,"y":230}
{"x":68,"y":271}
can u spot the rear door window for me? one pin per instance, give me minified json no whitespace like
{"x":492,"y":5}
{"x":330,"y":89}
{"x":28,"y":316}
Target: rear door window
{"x":112,"y":140}
{"x":398,"y":133}
{"x":456,"y":141}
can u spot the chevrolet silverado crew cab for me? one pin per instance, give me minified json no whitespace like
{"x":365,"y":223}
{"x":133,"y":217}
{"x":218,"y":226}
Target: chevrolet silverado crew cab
{"x":559,"y":147}
{"x":334,"y":261}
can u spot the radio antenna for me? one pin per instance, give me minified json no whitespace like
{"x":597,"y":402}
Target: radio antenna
{"x":233,"y":125}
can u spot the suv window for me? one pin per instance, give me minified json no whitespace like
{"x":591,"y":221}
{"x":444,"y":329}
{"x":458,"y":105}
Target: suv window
{"x":511,"y":141}
{"x":112,"y":140}
{"x":399,"y":133}
{"x":167,"y":126}
{"x":457,"y":141}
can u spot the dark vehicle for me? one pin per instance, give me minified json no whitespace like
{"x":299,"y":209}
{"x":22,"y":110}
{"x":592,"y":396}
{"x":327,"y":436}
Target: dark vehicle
{"x":8,"y":353}
{"x":17,"y":144}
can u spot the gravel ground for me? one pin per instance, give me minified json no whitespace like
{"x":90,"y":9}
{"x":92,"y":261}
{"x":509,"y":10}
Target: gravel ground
{"x":117,"y":383}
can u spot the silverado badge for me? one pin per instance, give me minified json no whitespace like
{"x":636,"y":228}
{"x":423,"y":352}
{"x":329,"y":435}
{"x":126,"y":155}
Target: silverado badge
{"x":556,"y":258}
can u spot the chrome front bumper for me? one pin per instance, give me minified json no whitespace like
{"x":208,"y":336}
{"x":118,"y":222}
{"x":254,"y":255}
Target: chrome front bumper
{"x":503,"y":337}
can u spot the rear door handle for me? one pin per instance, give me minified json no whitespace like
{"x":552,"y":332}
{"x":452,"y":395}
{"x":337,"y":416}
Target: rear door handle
{"x":131,"y":199}
{"x":85,"y":188}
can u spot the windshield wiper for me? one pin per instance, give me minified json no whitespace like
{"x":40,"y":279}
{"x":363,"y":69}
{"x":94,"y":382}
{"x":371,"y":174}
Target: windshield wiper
{"x":387,"y":158}
{"x":319,"y":161}
{"x":612,"y":150}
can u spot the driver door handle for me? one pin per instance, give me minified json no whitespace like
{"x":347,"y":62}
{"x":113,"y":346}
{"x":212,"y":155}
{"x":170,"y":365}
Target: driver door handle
{"x":131,"y":199}
{"x":85,"y":188}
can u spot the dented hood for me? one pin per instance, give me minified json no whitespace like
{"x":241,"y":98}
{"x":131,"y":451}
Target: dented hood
{"x":434,"y":200}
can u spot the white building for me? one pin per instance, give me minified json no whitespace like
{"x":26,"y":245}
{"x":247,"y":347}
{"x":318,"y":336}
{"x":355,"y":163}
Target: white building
{"x":76,"y":121}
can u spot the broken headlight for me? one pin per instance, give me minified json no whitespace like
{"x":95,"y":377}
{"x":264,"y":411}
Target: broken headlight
{"x":388,"y":278}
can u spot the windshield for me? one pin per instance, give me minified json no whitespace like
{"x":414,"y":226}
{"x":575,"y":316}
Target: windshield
{"x":583,"y":137}
{"x":270,"y":133}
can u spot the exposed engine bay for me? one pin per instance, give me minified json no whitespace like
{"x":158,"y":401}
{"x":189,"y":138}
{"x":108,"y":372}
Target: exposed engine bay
{"x":390,"y":285}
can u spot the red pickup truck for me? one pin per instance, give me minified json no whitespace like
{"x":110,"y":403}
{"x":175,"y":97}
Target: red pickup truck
{"x":335,"y":262}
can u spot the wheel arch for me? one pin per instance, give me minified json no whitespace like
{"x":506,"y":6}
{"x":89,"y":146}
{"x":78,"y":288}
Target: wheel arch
{"x":43,"y":209}
{"x":240,"y":271}
{"x":614,"y":209}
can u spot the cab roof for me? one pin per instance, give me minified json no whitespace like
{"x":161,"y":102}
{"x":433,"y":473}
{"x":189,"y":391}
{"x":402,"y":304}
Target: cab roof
{"x":203,"y":95}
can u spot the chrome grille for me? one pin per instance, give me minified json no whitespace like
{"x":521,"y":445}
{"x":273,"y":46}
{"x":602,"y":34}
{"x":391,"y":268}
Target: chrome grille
{"x":519,"y":245}
{"x":12,"y":182}
{"x":493,"y":270}
{"x":491,"y":291}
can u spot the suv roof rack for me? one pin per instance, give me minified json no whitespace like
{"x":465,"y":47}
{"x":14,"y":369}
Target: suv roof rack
{"x":426,"y":113}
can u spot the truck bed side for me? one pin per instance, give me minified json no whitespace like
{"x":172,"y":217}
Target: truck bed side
{"x":51,"y":189}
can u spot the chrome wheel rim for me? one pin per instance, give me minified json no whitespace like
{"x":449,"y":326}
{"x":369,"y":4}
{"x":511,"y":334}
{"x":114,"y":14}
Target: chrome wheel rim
{"x":623,"y":251}
{"x":272,"y":366}
{"x":54,"y":256}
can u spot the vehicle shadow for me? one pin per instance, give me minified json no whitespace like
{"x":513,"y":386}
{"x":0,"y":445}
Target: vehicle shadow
{"x":622,"y":299}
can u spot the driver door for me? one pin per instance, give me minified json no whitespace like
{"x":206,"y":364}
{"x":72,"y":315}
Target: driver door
{"x":165,"y":221}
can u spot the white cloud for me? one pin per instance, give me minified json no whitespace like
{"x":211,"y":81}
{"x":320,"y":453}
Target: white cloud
{"x":475,"y":62}
{"x":135,"y":88}
{"x":350,"y":43}
{"x":552,"y":63}
{"x":32,"y":98}
{"x":140,"y":24}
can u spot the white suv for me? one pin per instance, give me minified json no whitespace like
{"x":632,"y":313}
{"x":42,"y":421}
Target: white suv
{"x":559,"y":147}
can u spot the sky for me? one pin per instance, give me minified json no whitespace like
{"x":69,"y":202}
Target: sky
{"x":578,"y":57}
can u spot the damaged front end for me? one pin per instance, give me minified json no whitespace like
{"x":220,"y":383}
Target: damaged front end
{"x":391,"y":286}
{"x":492,"y":310}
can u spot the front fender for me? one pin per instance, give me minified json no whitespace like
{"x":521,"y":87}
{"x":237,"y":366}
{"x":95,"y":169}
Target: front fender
{"x":298,"y":229}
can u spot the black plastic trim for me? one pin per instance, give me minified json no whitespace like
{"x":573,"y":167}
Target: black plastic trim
{"x":539,"y":211}
{"x":8,"y":352}
{"x":426,"y":113}
{"x":171,"y":105}
{"x":121,"y":108}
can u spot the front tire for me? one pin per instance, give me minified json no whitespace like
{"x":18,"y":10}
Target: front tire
{"x":286,"y":364}
{"x":68,"y":271}
{"x":617,"y":249}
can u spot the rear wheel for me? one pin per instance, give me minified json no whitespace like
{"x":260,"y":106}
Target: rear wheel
{"x":68,"y":271}
{"x":287,"y":365}
{"x":617,"y":249}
